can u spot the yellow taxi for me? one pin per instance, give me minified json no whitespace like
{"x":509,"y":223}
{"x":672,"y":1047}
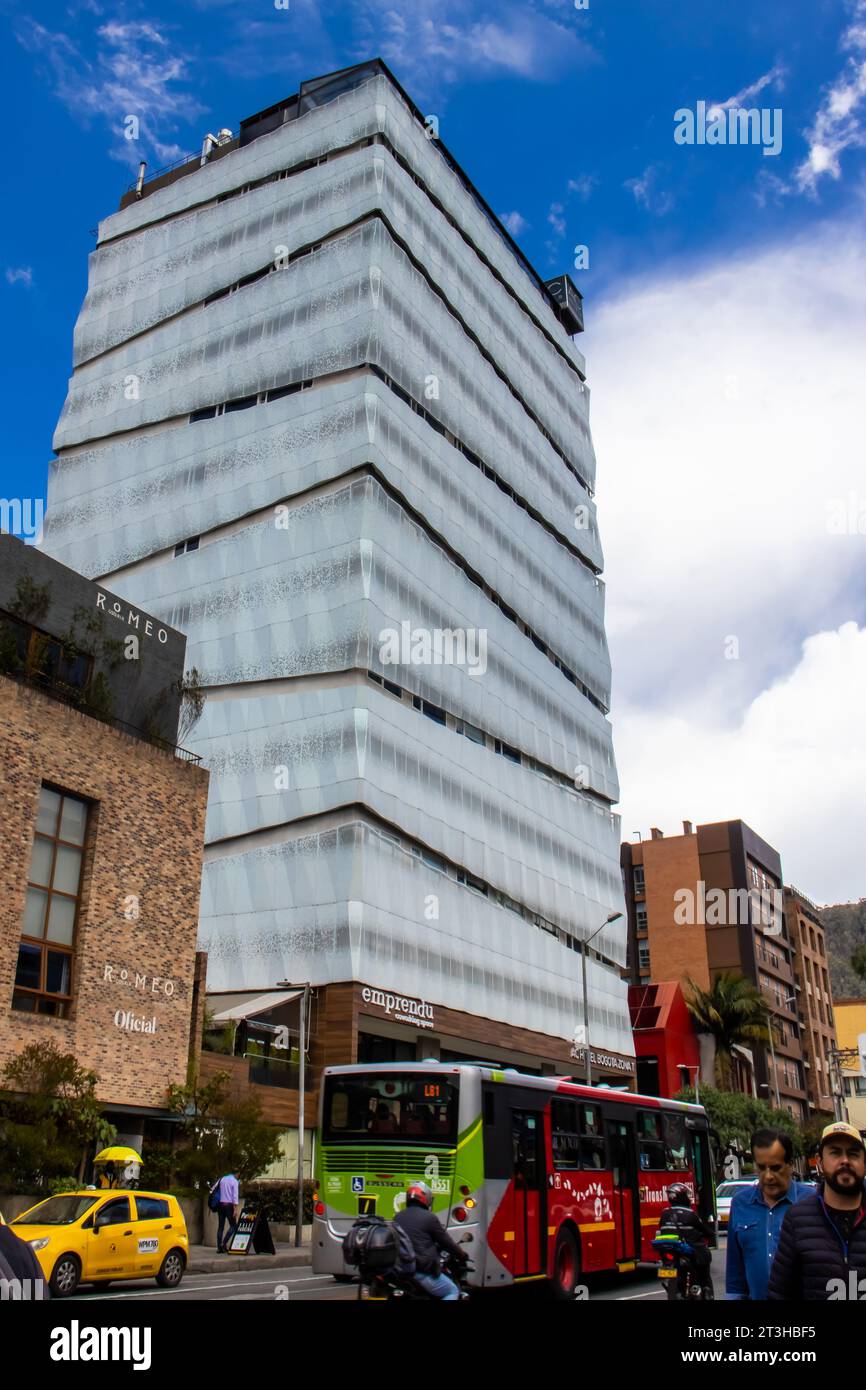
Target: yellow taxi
{"x":94,"y":1237}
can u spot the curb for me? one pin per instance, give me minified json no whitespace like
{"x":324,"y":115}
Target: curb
{"x":216,"y":1264}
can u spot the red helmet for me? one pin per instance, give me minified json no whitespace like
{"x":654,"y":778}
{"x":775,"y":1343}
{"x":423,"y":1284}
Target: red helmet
{"x":419,"y":1192}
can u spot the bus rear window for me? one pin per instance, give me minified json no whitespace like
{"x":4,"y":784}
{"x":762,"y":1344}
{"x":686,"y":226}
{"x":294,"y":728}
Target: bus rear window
{"x":390,"y":1107}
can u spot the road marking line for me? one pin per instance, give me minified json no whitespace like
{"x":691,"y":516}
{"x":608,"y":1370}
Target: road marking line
{"x":204,"y":1288}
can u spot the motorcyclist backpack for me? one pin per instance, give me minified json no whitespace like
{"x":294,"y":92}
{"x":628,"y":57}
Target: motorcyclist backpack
{"x":377,"y":1246}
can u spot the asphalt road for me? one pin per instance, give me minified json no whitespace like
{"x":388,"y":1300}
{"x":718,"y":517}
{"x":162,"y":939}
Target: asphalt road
{"x":301,"y":1284}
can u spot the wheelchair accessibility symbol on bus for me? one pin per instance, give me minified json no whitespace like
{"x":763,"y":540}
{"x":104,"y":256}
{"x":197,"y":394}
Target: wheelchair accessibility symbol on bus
{"x":357,"y":1184}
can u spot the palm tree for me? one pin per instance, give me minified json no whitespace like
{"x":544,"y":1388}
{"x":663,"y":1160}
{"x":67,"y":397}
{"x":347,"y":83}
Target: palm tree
{"x":734,"y":1013}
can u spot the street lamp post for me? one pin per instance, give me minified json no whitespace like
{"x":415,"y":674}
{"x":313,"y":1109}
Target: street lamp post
{"x":587,"y":1054}
{"x":302,"y":1082}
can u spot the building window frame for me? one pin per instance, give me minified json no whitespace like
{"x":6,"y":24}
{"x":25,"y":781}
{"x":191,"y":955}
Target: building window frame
{"x":54,"y":953}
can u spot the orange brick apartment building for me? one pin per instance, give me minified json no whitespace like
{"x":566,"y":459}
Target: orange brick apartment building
{"x":711,"y":900}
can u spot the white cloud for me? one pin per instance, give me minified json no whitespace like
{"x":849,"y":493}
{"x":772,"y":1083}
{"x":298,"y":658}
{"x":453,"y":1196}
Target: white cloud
{"x":464,"y":38}
{"x":727,"y":418}
{"x":20,"y":275}
{"x":647,"y":193}
{"x":513,"y":222}
{"x":775,"y":77}
{"x":838,"y":124}
{"x":132,"y":73}
{"x":583,"y":186}
{"x":793,"y":768}
{"x":556,"y":219}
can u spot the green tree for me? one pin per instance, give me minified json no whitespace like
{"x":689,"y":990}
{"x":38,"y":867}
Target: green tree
{"x":858,"y":961}
{"x":219,"y":1133}
{"x":734,"y":1013}
{"x":50,"y":1117}
{"x":735,"y":1116}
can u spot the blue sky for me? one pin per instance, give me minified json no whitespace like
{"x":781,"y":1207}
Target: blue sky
{"x":723,"y":303}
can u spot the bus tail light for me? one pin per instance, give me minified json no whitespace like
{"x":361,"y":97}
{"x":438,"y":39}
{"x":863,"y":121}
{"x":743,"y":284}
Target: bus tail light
{"x":319,"y":1208}
{"x":459,"y":1214}
{"x":470,"y":1202}
{"x":464,"y":1191}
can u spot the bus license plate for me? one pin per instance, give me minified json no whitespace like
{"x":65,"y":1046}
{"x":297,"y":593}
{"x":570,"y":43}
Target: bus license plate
{"x":667,"y":1274}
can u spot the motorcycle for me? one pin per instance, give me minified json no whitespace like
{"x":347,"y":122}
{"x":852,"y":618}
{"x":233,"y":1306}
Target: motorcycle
{"x":677,"y":1270}
{"x":379,"y":1286}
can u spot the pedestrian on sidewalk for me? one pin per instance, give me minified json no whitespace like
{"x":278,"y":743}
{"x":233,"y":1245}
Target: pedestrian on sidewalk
{"x":227,"y":1210}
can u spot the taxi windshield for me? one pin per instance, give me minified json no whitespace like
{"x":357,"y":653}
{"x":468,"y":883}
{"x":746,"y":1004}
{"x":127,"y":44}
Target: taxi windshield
{"x":388,"y":1105}
{"x":57,"y":1211}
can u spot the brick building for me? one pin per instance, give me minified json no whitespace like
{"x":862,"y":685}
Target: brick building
{"x":707,"y":901}
{"x":103,"y":823}
{"x":814,"y":998}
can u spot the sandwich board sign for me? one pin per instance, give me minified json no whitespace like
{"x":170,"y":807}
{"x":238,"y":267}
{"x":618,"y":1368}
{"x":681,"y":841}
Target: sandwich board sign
{"x":252,"y":1233}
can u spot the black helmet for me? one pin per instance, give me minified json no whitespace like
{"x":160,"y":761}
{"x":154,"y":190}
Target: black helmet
{"x":678,"y":1195}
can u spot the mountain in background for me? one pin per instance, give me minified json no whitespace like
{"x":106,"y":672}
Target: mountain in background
{"x":845,"y":930}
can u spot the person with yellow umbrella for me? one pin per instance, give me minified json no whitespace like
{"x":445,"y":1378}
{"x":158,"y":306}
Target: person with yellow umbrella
{"x":117,"y":1166}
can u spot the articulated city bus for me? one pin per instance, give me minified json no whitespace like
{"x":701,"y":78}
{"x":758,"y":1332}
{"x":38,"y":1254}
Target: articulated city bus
{"x":539,"y":1177}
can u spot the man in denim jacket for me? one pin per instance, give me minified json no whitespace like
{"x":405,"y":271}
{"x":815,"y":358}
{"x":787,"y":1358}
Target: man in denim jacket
{"x":757,"y":1214}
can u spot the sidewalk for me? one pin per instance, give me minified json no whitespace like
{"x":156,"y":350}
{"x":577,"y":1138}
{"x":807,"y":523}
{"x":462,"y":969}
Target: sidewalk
{"x":203,"y":1259}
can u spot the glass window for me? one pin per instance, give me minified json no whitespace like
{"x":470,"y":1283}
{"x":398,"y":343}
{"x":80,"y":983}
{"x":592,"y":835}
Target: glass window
{"x":27,"y":975}
{"x":56,"y":1211}
{"x":73,"y":820}
{"x":591,"y":1153}
{"x":651,"y":1146}
{"x":591,"y":1119}
{"x":674,"y":1129}
{"x":43,"y":978}
{"x":391,"y":1106}
{"x":67,"y":870}
{"x":151,"y":1208}
{"x":40,"y":864}
{"x":61,"y":920}
{"x":49,"y":807}
{"x":114,"y":1212}
{"x":34,"y":912}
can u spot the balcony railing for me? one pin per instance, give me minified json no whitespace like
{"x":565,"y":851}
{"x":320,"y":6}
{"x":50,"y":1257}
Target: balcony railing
{"x":74,"y":697}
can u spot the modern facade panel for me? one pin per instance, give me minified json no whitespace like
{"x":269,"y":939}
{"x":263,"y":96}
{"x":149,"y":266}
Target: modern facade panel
{"x":382,"y":436}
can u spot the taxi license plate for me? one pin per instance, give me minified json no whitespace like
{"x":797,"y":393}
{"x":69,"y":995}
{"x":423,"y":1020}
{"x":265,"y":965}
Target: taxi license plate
{"x":667,"y":1274}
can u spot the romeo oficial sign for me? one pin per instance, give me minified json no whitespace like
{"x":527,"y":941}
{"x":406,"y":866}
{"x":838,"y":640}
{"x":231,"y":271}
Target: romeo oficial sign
{"x":400,"y":1006}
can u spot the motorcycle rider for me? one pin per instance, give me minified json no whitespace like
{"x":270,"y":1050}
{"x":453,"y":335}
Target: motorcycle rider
{"x":428,"y":1237}
{"x":691,"y":1229}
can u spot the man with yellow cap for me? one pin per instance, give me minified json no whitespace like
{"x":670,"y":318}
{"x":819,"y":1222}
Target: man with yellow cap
{"x":821,"y":1254}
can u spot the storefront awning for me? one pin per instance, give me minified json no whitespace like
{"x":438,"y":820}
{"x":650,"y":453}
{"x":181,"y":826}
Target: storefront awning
{"x":257,"y":1004}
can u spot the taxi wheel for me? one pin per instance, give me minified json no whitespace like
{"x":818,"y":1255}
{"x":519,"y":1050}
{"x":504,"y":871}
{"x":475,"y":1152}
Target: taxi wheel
{"x":65,"y":1276}
{"x":171,"y":1270}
